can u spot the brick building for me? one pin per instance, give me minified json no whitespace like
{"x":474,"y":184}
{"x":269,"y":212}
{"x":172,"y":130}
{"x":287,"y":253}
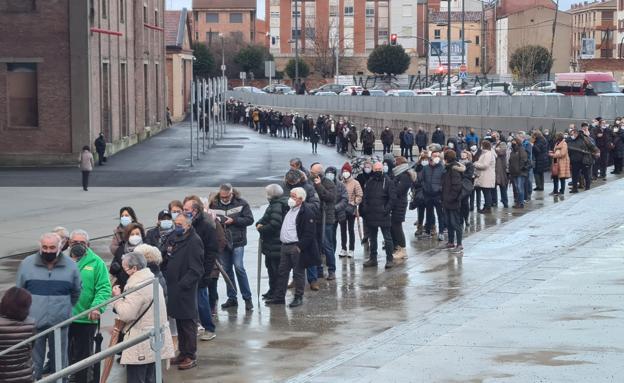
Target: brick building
{"x":80,"y":68}
{"x":232,"y":18}
{"x":472,"y":40}
{"x":594,"y":29}
{"x":179,"y":62}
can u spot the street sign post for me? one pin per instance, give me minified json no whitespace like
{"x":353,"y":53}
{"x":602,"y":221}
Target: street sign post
{"x":269,"y":70}
{"x":243,"y":76}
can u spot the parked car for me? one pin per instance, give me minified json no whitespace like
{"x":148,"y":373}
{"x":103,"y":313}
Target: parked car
{"x":492,"y":93}
{"x":376,"y":92}
{"x":249,"y":89}
{"x":328,"y":93}
{"x":336,"y":88}
{"x":529,"y":93}
{"x":278,"y":89}
{"x":506,"y":87}
{"x":542,"y":86}
{"x":401,"y":93}
{"x":349,"y":89}
{"x":437,"y":90}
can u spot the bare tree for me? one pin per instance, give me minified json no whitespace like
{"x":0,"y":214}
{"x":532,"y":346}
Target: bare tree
{"x":323,"y":38}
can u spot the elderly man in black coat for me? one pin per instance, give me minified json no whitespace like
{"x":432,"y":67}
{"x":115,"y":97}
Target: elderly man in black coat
{"x":379,"y":197}
{"x":299,"y":247}
{"x":185,"y":268}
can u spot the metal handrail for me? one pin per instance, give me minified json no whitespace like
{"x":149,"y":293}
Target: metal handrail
{"x":77,"y":316}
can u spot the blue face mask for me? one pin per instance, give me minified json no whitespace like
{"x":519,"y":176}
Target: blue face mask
{"x":125,"y":221}
{"x":175,"y":214}
{"x":166,"y":224}
{"x":179,"y":230}
{"x":189,"y":215}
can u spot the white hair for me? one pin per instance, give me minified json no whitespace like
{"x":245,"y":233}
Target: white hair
{"x":80,"y":233}
{"x":300,"y":193}
{"x":274,"y":190}
{"x":151,"y":253}
{"x":135,"y":259}
{"x":53,"y":236}
{"x":61,"y":232}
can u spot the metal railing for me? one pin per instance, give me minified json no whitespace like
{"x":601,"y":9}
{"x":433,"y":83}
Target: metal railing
{"x":155,"y":336}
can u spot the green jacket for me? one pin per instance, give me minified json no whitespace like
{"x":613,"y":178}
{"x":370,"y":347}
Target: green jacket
{"x":96,"y":287}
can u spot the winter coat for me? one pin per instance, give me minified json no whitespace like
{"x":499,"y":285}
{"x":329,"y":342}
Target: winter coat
{"x":54,"y":291}
{"x":421,"y":139}
{"x":562,"y":158}
{"x":452,"y":186}
{"x":96,"y":287}
{"x":367,"y":138}
{"x":326,"y":191}
{"x":354,"y":191}
{"x":342,"y":200}
{"x":438,"y":137}
{"x":271,"y":223}
{"x":363,"y":178}
{"x":86,"y":161}
{"x":379,"y":196}
{"x":238,"y":209}
{"x":315,"y":136}
{"x":117,"y":239}
{"x":306,"y":233}
{"x":581,"y":149}
{"x":100,"y":144}
{"x":618,"y":144}
{"x":408,"y":139}
{"x":472,"y":139}
{"x":17,"y":366}
{"x":387,"y":138}
{"x":602,"y":137}
{"x":486,"y":170}
{"x":518,"y":162}
{"x":501,"y":165}
{"x":130,"y":308}
{"x":432,"y":181}
{"x":540,"y":155}
{"x":158,"y":238}
{"x":185,"y":269}
{"x":404,"y":178}
{"x":205,"y":227}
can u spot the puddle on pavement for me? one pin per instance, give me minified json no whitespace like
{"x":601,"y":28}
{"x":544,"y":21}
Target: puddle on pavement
{"x":543,"y":358}
{"x":293,"y":343}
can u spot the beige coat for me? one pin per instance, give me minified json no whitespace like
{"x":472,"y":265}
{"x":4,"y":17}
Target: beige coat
{"x":561,"y":154}
{"x":130,"y":308}
{"x":485,"y":170}
{"x":86,"y":161}
{"x":354,"y":191}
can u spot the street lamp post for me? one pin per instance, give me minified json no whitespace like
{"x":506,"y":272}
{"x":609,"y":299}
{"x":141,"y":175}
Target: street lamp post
{"x":448,"y":50}
{"x":222,"y":55}
{"x":463,"y":31}
{"x":297,"y":34}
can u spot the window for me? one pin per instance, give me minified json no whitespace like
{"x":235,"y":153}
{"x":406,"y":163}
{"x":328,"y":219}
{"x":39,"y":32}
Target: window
{"x":123,"y":99}
{"x":296,"y":13}
{"x":104,"y":9}
{"x":146,"y":95}
{"x":407,"y":10}
{"x":236,"y":17}
{"x":145,"y":13}
{"x":296,"y":33}
{"x":122,"y":11}
{"x":106,"y":110}
{"x":196,"y":36}
{"x":196,"y":16}
{"x":370,"y":12}
{"x":275,"y":15}
{"x":156,"y":22}
{"x":382,"y":34}
{"x":333,"y":10}
{"x":348,"y":11}
{"x":237,"y":36}
{"x":17,"y":6}
{"x":436,"y":34}
{"x":212,"y":17}
{"x":22,"y":94}
{"x":477,"y":63}
{"x":477,"y":39}
{"x":310,"y":33}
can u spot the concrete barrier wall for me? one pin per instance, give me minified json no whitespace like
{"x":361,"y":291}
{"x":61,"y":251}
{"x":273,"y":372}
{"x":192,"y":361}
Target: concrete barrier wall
{"x":505,"y":113}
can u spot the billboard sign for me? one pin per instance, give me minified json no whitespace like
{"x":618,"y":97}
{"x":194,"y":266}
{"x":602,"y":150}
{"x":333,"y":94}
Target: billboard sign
{"x":588,"y":48}
{"x":438,"y":54}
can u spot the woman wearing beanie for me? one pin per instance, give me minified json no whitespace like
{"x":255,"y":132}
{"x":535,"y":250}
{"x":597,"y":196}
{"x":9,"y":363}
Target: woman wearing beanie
{"x":354,"y":193}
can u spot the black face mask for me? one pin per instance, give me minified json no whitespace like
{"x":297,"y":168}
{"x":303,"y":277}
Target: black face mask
{"x":78,"y":250}
{"x":48,"y":257}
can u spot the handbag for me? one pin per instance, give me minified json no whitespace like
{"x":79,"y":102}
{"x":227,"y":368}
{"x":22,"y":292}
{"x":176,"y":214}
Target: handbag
{"x":554,"y":169}
{"x":122,"y":333}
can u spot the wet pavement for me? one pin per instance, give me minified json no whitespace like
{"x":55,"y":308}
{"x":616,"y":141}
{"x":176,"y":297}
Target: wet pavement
{"x":537,"y":297}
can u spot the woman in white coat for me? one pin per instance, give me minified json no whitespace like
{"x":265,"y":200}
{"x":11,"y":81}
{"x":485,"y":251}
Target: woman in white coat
{"x":137,"y":311}
{"x":485,"y":172}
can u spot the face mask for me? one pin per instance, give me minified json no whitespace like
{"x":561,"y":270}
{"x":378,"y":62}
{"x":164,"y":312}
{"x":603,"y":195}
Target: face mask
{"x":451,"y":145}
{"x":78,"y":250}
{"x":175,"y":215}
{"x":188,"y":215}
{"x":166,"y":224}
{"x":48,"y":257}
{"x":616,"y":130}
{"x":385,"y":169}
{"x":436,"y":160}
{"x":424,"y":163}
{"x":330,"y":176}
{"x":292,"y":203}
{"x":179,"y":230}
{"x":438,"y":129}
{"x":368,"y":129}
{"x":367,"y":170}
{"x":135,"y":240}
{"x":346,"y":175}
{"x":125,"y":221}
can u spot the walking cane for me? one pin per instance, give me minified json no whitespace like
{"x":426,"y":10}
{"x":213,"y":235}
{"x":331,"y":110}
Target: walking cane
{"x":225,"y":276}
{"x":259,"y":269}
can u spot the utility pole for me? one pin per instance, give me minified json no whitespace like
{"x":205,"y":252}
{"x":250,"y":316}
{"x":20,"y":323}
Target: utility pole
{"x":297,"y":34}
{"x":448,"y":50}
{"x":552,"y":41}
{"x":222,"y":56}
{"x":463,"y":29}
{"x":483,"y":38}
{"x":427,"y":43}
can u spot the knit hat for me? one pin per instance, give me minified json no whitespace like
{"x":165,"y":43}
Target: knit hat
{"x":346,"y":168}
{"x":389,"y":157}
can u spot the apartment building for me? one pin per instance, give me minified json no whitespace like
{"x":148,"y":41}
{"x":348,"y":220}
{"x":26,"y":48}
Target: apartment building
{"x":231,"y":18}
{"x":594,"y":29}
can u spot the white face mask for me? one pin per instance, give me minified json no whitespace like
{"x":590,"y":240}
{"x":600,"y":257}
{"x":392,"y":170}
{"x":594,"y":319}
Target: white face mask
{"x":367,"y":170}
{"x":125,"y":221}
{"x":451,"y":145}
{"x":424,"y":162}
{"x":292,"y":203}
{"x":346,"y":175}
{"x":166,"y":224}
{"x":436,"y":160}
{"x":135,"y":240}
{"x":385,"y":169}
{"x":330,"y":176}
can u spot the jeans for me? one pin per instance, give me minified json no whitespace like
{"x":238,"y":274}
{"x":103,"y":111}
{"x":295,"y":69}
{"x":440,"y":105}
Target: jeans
{"x":203,"y":308}
{"x":455,"y":226}
{"x":385,"y":232}
{"x":503,"y":195}
{"x":398,"y":236}
{"x":329,"y":249}
{"x":233,"y":261}
{"x":39,"y":351}
{"x":519,"y":182}
{"x":409,"y":155}
{"x":141,"y":373}
{"x":539,"y":180}
{"x":559,"y":182}
{"x":80,"y":346}
{"x":349,"y":224}
{"x":437,"y":205}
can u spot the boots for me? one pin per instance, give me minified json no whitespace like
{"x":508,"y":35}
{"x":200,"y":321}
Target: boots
{"x":399,"y":253}
{"x":419,"y":230}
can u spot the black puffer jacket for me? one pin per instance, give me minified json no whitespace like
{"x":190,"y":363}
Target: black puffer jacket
{"x":540,"y":155}
{"x":452,"y":186}
{"x":379,"y":196}
{"x":342,"y":200}
{"x":17,"y":366}
{"x":238,"y":209}
{"x":404,"y":178}
{"x":618,"y":143}
{"x":306,"y":233}
{"x":271,"y":223}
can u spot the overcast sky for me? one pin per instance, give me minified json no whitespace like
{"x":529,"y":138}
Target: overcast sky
{"x":179,"y":4}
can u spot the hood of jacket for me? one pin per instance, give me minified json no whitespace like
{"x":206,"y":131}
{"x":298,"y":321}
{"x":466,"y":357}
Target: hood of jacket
{"x":400,"y":169}
{"x":457,"y":166}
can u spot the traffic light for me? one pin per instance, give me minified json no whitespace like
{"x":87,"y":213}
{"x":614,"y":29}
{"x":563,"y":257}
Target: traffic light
{"x":272,"y":40}
{"x":393,"y":39}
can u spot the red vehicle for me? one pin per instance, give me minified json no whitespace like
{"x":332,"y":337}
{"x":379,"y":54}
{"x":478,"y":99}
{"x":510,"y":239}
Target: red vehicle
{"x":586,"y":84}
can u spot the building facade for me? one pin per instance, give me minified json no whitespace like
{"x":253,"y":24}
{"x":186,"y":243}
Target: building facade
{"x":232,"y":18}
{"x":179,"y":62}
{"x":594,"y":29}
{"x":80,"y":68}
{"x":471,"y":53}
